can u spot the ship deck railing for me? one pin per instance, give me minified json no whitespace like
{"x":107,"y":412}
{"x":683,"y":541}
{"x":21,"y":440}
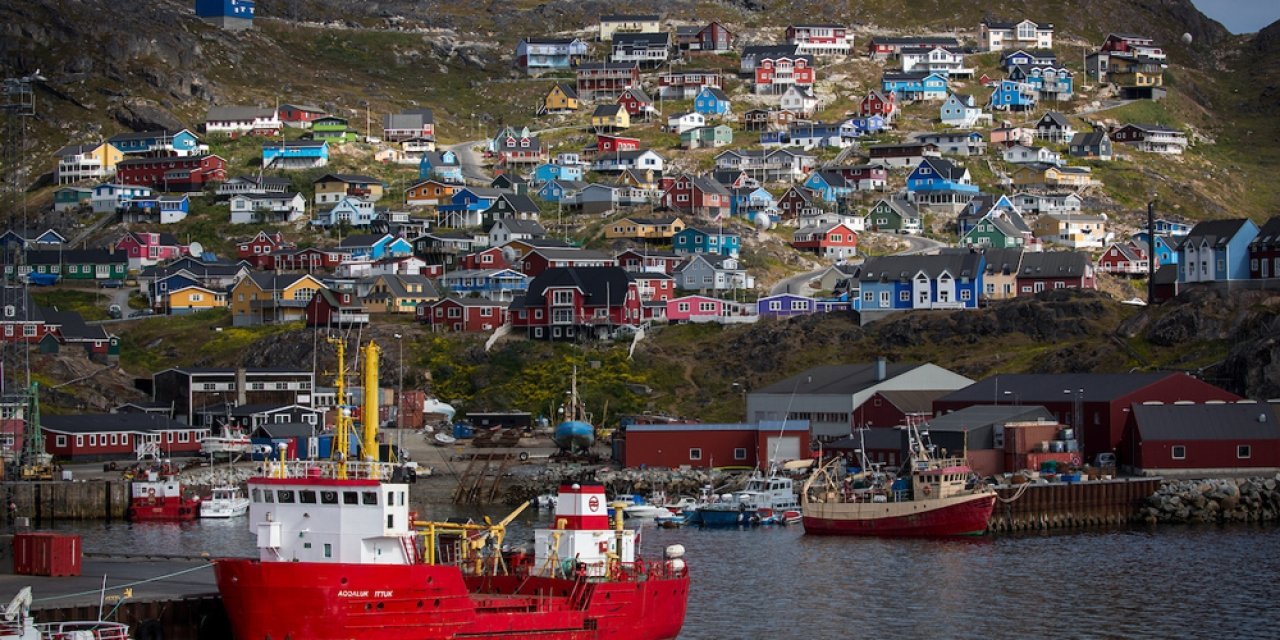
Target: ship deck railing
{"x":329,"y":469}
{"x":97,"y":630}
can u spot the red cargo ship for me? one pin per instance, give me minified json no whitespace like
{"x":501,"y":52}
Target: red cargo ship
{"x":931,"y":497}
{"x":159,"y":498}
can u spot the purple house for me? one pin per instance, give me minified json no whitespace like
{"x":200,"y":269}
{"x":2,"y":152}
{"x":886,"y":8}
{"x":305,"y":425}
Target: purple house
{"x":785,"y":305}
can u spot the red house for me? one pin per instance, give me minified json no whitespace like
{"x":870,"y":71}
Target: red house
{"x":637,"y":103}
{"x":1046,"y":270}
{"x":491,"y":258}
{"x":308,"y":260}
{"x":798,"y":202}
{"x":330,"y":308}
{"x":146,"y":248}
{"x":573,"y":302}
{"x":713,"y":37}
{"x":878,"y":104}
{"x":698,"y":195}
{"x":662,"y":261}
{"x":539,"y":260}
{"x":22,"y":318}
{"x":1202,"y":440}
{"x":1124,"y":258}
{"x":172,"y":173}
{"x":609,"y":144}
{"x":257,"y":250}
{"x":891,"y":408}
{"x":685,"y":84}
{"x":836,"y":241}
{"x":776,"y":74}
{"x":654,"y":286}
{"x":463,"y":314}
{"x":715,"y":445}
{"x":118,"y":436}
{"x":1096,"y":405}
{"x":1264,"y":251}
{"x":300,"y":115}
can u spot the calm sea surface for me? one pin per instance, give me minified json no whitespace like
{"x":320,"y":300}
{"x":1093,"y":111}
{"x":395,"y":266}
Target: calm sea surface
{"x":1171,"y":582}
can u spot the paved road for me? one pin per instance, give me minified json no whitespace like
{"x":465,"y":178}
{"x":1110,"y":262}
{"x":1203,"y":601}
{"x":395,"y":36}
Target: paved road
{"x":919,"y":245}
{"x":797,"y":284}
{"x":472,"y":163}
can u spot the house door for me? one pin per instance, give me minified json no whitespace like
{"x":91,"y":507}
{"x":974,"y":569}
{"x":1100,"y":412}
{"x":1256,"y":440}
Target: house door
{"x":1264,"y":267}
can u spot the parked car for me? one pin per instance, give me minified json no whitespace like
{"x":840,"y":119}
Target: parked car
{"x":142,"y":312}
{"x":110,"y":284}
{"x":114,"y":312}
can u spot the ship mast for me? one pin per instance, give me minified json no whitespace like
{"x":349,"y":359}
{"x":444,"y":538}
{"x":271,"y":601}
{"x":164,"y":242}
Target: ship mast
{"x":369,"y":414}
{"x":342,"y":423}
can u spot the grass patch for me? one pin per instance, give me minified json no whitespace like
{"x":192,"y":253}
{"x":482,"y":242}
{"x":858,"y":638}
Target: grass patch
{"x":90,"y":306}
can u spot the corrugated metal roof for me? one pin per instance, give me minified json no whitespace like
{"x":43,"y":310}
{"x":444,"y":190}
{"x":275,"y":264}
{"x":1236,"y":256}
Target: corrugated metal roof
{"x":1227,"y":421}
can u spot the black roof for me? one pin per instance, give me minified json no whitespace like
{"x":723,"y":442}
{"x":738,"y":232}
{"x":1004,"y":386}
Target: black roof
{"x":1215,"y":232}
{"x":76,"y":256}
{"x":1054,"y":264}
{"x":285,"y":430}
{"x":891,"y":268}
{"x":1034,"y":388}
{"x":1268,"y":234}
{"x":600,"y":286}
{"x":1214,"y":421}
{"x":837,"y":379}
{"x":106,"y":422}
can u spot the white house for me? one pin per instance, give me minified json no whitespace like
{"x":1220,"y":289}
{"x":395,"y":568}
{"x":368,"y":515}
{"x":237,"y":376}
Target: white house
{"x":961,"y":110}
{"x":995,"y":35}
{"x":233,"y":120}
{"x":351,"y":210}
{"x":800,"y":100}
{"x":947,"y":61}
{"x":253,"y":208}
{"x":682,"y":122}
{"x":641,"y":160}
{"x":1019,"y":154}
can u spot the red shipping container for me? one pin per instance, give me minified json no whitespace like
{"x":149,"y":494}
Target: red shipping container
{"x":41,"y":553}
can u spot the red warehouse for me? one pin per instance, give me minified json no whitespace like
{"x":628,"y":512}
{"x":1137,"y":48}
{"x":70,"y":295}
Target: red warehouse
{"x":172,"y":173}
{"x":1202,"y":440}
{"x":715,"y":445}
{"x":1097,"y":406}
{"x":119,"y":436}
{"x":463,"y":314}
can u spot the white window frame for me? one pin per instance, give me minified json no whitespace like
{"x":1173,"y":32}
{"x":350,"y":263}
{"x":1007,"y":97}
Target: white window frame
{"x":1178,"y":452}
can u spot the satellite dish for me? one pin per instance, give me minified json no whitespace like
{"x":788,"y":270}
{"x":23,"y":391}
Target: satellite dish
{"x":1186,"y":38}
{"x":763,"y":221}
{"x":196,"y":249}
{"x":509,"y":254}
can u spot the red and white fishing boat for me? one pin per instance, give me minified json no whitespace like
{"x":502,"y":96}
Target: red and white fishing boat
{"x":159,"y":497}
{"x":931,"y":497}
{"x":341,"y":556}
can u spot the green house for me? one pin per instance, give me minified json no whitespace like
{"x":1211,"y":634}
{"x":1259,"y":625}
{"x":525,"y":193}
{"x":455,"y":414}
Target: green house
{"x":707,"y":137}
{"x":80,"y":264}
{"x":332,"y":128}
{"x":995,"y":231}
{"x":70,"y":198}
{"x":896,"y":214}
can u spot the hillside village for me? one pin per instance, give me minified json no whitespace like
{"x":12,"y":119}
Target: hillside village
{"x":659,"y":184}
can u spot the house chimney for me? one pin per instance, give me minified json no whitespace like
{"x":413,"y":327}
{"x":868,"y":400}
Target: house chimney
{"x":881,"y":369}
{"x":240,"y":387}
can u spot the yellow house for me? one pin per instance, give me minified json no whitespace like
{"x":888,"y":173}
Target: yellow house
{"x":1077,"y":231}
{"x":1133,"y":73}
{"x":82,"y":162}
{"x":645,"y":228}
{"x":333,"y":187}
{"x":1042,"y":174}
{"x":271,"y":298}
{"x":638,"y":179}
{"x":608,"y":117}
{"x":399,"y":294}
{"x":1000,"y":280}
{"x":194,"y":298}
{"x":561,"y":98}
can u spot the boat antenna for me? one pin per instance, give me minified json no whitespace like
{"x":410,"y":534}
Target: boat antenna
{"x":782,"y":428}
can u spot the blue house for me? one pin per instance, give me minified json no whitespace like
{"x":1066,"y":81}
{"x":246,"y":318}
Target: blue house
{"x":1013,"y":96}
{"x":547,"y":172}
{"x":159,"y":288}
{"x":785,"y":305}
{"x":915,"y":85}
{"x":1167,"y":227}
{"x":867,"y":125}
{"x":1166,"y":253}
{"x":1050,"y":82}
{"x":374,"y":246}
{"x":228,"y":14}
{"x":1216,"y":251}
{"x":156,"y":209}
{"x":830,"y":184}
{"x":746,"y":202}
{"x":1041,"y":57}
{"x":467,"y":207}
{"x":692,"y":240}
{"x":941,"y":281}
{"x":493,"y":284}
{"x":295,"y":154}
{"x":711,"y":101}
{"x":443,"y":166}
{"x":558,"y":190}
{"x":936,"y":181}
{"x":180,"y":142}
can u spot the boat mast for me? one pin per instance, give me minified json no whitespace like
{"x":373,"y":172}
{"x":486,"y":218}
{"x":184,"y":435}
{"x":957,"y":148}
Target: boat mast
{"x":342,"y":423}
{"x":369,"y":414}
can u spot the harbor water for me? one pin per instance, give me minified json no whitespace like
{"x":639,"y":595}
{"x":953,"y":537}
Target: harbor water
{"x":1167,"y":582}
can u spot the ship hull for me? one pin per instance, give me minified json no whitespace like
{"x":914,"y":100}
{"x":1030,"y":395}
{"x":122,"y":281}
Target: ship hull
{"x":164,"y":510}
{"x":332,"y":601}
{"x":956,"y":516}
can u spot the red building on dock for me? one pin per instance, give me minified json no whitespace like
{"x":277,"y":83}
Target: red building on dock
{"x":715,"y":445}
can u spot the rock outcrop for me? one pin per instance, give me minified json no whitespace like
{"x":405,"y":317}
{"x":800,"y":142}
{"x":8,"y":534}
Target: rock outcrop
{"x":1220,"y":500}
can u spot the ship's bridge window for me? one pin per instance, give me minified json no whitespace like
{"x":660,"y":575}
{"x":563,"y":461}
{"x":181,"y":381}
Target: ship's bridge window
{"x":257,"y":495}
{"x":401,"y":494}
{"x":350,"y":497}
{"x":285,"y":496}
{"x":391,"y":498}
{"x":307,"y":497}
{"x":268,"y":496}
{"x":329,"y":497}
{"x":369,"y":497}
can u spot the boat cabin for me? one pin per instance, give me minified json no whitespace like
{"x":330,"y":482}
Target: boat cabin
{"x":944,"y":478}
{"x":580,"y":533}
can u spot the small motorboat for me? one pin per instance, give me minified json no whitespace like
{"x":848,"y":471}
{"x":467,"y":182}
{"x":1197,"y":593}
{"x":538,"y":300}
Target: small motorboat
{"x":443,"y":439}
{"x":226,"y":502}
{"x":644,"y":511}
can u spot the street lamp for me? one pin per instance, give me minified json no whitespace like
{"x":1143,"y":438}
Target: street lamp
{"x":1015,"y":397}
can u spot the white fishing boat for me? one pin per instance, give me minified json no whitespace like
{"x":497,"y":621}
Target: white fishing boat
{"x":226,"y":502}
{"x":230,"y":443}
{"x":17,"y":623}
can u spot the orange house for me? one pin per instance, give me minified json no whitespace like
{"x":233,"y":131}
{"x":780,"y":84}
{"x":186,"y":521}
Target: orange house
{"x":429,"y":193}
